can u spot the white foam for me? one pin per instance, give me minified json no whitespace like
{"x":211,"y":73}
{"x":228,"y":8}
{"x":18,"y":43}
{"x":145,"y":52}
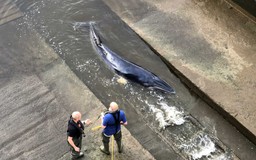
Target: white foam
{"x":78,"y":25}
{"x":220,"y":157}
{"x":172,"y":115}
{"x":160,"y":118}
{"x":167,"y":115}
{"x":199,"y":146}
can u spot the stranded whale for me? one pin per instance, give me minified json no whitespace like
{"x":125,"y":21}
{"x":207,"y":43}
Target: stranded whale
{"x":127,"y":69}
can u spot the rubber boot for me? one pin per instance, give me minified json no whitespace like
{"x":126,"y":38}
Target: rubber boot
{"x":120,"y":146}
{"x":105,"y":148}
{"x":77,"y":155}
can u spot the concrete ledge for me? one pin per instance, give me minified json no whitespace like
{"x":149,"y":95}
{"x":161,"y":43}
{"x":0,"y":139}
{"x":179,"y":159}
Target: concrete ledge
{"x":247,"y":5}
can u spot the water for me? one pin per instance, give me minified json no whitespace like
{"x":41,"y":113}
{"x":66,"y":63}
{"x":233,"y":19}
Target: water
{"x":199,"y":146}
{"x":63,"y":25}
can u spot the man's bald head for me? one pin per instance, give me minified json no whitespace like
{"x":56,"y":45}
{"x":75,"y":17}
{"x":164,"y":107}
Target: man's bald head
{"x":113,"y":106}
{"x":76,"y":116}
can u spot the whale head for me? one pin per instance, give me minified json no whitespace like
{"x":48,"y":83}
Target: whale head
{"x":160,"y":84}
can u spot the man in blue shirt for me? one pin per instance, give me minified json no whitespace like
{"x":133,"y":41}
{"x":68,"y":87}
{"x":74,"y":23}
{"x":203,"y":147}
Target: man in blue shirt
{"x":111,"y":122}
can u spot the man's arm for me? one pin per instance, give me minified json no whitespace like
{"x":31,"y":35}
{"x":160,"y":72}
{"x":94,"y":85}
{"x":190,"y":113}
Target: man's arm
{"x":87,"y":122}
{"x":123,"y":119}
{"x":103,"y":123}
{"x":124,"y":123}
{"x":70,"y":141}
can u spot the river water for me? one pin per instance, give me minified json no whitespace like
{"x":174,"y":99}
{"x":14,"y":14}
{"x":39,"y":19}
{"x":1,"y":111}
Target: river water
{"x":180,"y":126}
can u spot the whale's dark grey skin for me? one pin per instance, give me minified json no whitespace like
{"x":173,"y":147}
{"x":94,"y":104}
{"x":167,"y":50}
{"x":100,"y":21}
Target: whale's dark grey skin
{"x":127,"y":69}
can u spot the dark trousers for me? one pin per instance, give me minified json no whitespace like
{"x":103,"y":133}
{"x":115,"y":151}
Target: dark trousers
{"x":117,"y":136}
{"x":78,"y":143}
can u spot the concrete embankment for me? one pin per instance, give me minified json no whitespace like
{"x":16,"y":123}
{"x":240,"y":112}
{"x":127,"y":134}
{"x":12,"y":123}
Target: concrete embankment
{"x":38,"y":90}
{"x":210,"y":45}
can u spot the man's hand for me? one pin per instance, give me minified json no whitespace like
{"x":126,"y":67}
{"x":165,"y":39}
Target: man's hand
{"x":122,"y":123}
{"x":87,"y":122}
{"x":71,"y":142}
{"x":77,"y":149}
{"x":102,"y":115}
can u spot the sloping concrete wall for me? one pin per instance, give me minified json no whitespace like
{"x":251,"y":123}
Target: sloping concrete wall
{"x":209,"y":44}
{"x":38,"y":92}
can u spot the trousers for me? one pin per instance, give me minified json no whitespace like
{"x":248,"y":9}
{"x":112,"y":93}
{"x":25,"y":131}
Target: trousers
{"x":118,"y":139}
{"x":78,"y":143}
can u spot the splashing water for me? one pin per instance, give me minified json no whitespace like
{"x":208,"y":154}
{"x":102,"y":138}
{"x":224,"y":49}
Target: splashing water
{"x":199,"y":146}
{"x":167,"y":115}
{"x":78,"y":25}
{"x":172,"y":115}
{"x":159,"y":117}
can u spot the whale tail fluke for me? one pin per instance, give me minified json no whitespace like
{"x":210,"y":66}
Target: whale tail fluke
{"x":78,"y":25}
{"x":94,"y":36}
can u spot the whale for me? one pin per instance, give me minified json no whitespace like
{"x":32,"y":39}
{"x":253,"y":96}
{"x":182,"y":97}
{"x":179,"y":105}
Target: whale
{"x":127,"y":69}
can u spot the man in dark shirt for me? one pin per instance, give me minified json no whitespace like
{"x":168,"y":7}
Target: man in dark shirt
{"x":74,"y":133}
{"x":111,"y":122}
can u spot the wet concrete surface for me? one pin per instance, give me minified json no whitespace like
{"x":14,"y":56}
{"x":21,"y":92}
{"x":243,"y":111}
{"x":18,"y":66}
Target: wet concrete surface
{"x":78,"y":53}
{"x":210,"y":44}
{"x":9,"y":12}
{"x":54,"y":21}
{"x":38,"y":93}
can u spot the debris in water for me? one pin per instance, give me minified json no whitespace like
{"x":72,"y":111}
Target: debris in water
{"x":122,"y":80}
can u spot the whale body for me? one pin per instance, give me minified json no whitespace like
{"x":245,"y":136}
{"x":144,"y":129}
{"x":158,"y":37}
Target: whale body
{"x":127,"y":69}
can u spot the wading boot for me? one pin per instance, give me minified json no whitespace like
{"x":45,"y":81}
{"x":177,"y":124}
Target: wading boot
{"x":77,"y":155}
{"x":120,"y":146}
{"x":105,"y":149}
